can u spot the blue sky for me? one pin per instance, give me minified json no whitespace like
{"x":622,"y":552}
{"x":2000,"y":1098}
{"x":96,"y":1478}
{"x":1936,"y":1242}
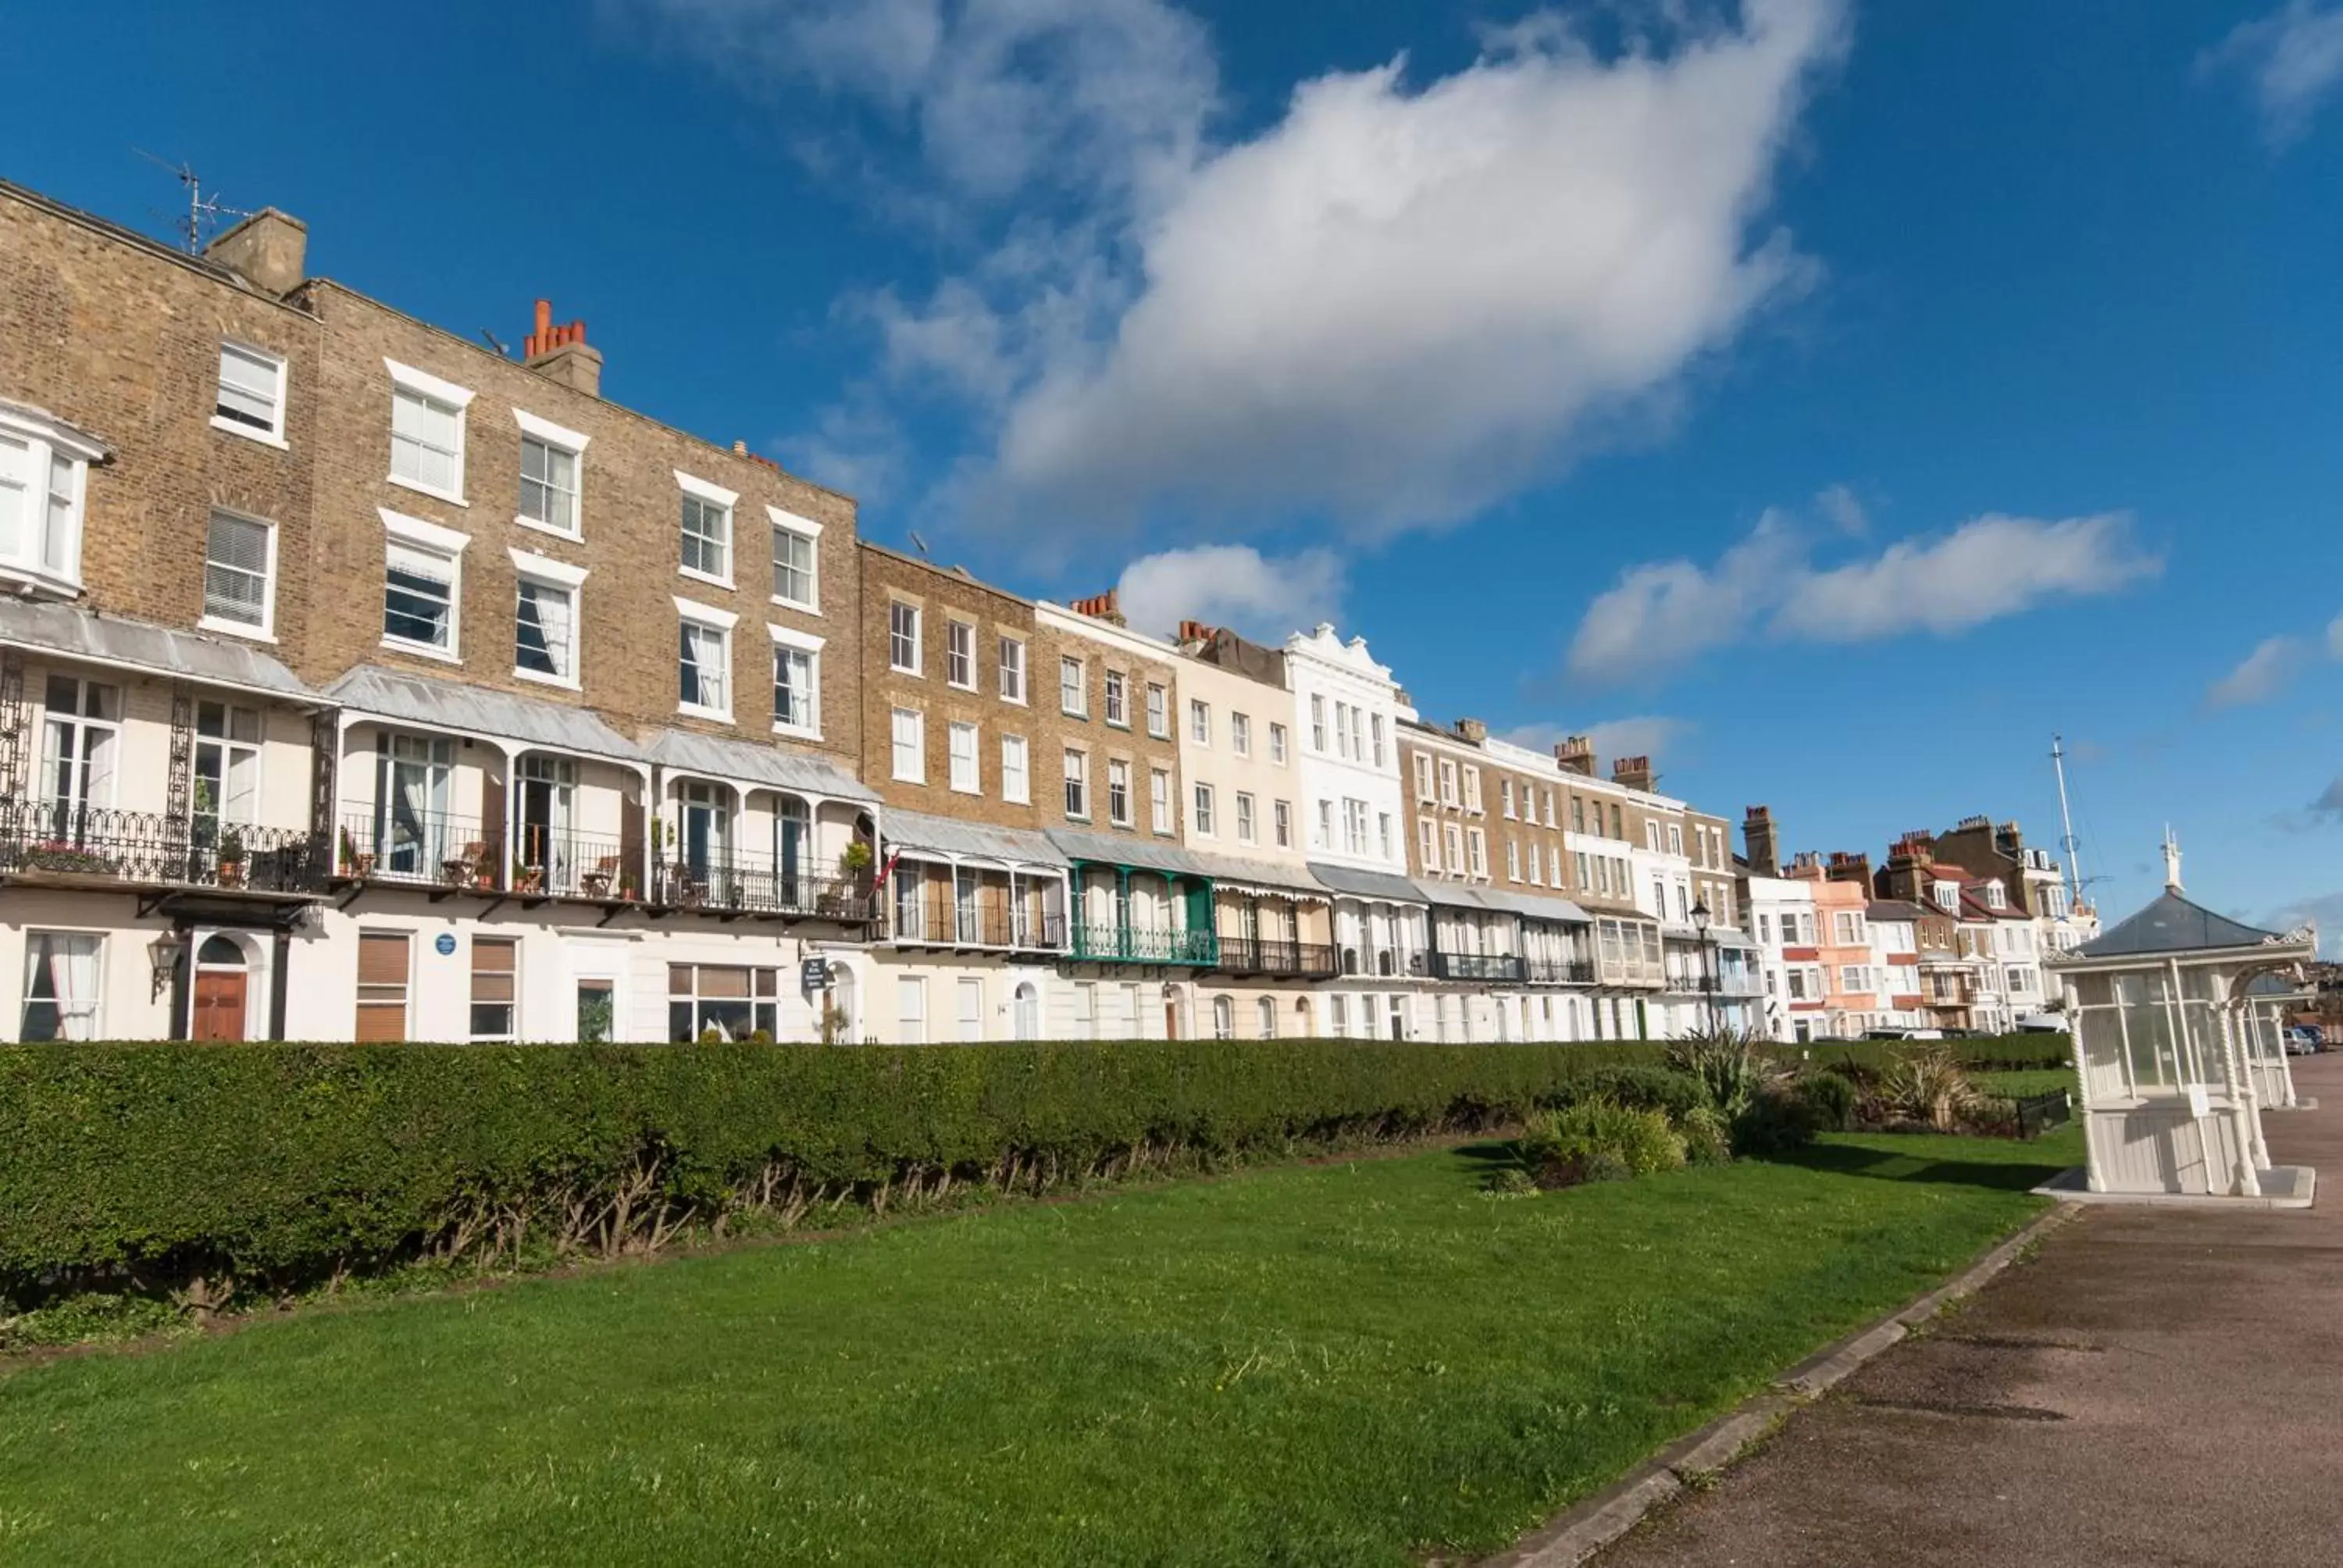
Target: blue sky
{"x":1836,"y":399}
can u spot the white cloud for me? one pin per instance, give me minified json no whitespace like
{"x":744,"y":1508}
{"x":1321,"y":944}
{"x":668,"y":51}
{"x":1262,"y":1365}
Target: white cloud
{"x":1843,"y":510}
{"x":1232,"y":586}
{"x":1398,"y":303}
{"x":1643,"y":735}
{"x":2294,"y":58}
{"x":2323,"y":910}
{"x":1666,"y":613}
{"x":2259,"y":676}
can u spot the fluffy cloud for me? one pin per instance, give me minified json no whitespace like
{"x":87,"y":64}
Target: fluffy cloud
{"x":2293,"y":57}
{"x":2259,"y":676}
{"x":1396,"y":304}
{"x":1663,"y":614}
{"x":2323,"y":910}
{"x":1643,"y":735}
{"x":1233,"y":585}
{"x":1840,"y":506}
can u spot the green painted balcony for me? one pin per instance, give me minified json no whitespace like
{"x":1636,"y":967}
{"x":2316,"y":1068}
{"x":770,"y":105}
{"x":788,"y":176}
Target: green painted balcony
{"x":1135,"y":945}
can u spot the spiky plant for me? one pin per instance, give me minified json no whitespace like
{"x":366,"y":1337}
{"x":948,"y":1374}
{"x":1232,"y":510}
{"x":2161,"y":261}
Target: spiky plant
{"x":1930,"y":1085}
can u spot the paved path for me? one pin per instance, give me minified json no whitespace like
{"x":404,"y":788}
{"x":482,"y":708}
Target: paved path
{"x":2157,"y":1387}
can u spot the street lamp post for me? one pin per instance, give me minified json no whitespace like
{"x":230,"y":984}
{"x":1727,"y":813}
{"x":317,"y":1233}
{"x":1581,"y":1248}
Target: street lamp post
{"x":1707,"y":973}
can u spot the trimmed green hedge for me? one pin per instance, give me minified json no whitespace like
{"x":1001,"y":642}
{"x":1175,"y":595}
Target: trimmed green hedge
{"x":1994,"y":1053}
{"x":168,"y":1163}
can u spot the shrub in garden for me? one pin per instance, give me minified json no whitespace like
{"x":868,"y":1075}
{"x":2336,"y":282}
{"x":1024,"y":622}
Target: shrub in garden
{"x":1730,"y":1065}
{"x":1596,"y":1138}
{"x":1650,"y":1087}
{"x":1776,"y":1120}
{"x":1831,"y":1097}
{"x":200,"y":1167}
{"x":1707,"y":1137}
{"x":1930,"y":1085}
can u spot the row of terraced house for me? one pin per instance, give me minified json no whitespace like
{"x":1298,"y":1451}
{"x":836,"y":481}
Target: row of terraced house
{"x":358,"y":680}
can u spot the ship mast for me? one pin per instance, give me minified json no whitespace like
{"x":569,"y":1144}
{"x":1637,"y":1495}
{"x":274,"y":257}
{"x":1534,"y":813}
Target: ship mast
{"x":2067,"y":817}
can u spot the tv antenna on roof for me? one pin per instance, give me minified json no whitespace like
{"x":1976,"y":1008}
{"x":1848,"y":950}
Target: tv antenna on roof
{"x":919,"y":544}
{"x":204,"y":211}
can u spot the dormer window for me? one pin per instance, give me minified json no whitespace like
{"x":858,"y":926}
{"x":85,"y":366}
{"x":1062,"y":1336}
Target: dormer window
{"x":44,"y":474}
{"x":1995,"y":898}
{"x":1948,"y":896}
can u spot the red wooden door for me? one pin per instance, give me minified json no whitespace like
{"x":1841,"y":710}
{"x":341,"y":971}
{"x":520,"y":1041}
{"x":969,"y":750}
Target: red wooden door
{"x":219,"y":1004}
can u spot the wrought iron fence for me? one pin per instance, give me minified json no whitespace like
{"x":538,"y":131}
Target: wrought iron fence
{"x":1277,"y":956}
{"x":1561,"y":971}
{"x":393,"y":844}
{"x":1135,"y":944}
{"x":65,"y":838}
{"x":751,"y":884}
{"x":1502,"y":967}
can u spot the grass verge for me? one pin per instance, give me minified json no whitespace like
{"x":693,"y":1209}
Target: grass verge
{"x":1349,"y":1363}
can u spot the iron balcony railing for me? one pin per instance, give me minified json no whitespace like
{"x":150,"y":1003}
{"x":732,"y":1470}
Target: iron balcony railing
{"x":555,"y":863}
{"x":1142,"y":945}
{"x":740,"y":883}
{"x":423,"y":848}
{"x":1561,"y":971}
{"x":1499,"y":967}
{"x":947,"y":922}
{"x":1276,"y":956}
{"x":1381,"y":961}
{"x":61,"y":837}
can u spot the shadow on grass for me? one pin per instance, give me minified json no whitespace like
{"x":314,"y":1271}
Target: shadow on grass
{"x":1894,"y":1165}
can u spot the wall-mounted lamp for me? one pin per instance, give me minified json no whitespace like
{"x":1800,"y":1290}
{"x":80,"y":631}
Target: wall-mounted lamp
{"x":164,"y":952}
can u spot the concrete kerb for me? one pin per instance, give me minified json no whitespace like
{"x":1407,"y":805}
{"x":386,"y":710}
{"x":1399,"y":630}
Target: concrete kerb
{"x":1582,"y":1531}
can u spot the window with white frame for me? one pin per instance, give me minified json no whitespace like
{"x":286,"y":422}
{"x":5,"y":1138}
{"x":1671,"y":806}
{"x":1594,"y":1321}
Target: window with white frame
{"x":422,"y":585}
{"x":704,"y":661}
{"x":1471,"y":789}
{"x":705,"y":528}
{"x":1675,"y":838}
{"x":1200,"y":722}
{"x":1477,"y":843}
{"x":1078,"y":784}
{"x":1853,"y":978}
{"x":909,"y":734}
{"x":1512,"y":861}
{"x":80,"y":746}
{"x":1159,"y":799}
{"x":1224,"y":1018}
{"x":1159,"y":711}
{"x":1343,"y":729}
{"x":1375,"y":724}
{"x":1317,"y":724}
{"x":1246,"y":830}
{"x":796,"y":682}
{"x":1427,"y":844}
{"x":1202,"y":820}
{"x":545,"y":619}
{"x":797,"y":561}
{"x":1118,"y":792}
{"x":1384,"y":834}
{"x":1537,"y":871}
{"x":426,"y":432}
{"x":1448,"y":794}
{"x":62,"y":974}
{"x":1455,"y":837}
{"x":251,"y":398}
{"x":1074,"y":691}
{"x":1280,"y":814}
{"x":960,"y":654}
{"x":1326,"y":828}
{"x":552,"y":461}
{"x":959,"y":739}
{"x":1505,"y":796}
{"x":1016,"y":779}
{"x":1241,"y":734}
{"x":227,"y":769}
{"x":1354,"y":826}
{"x":1848,"y":927}
{"x":903,"y":638}
{"x":1276,"y":743}
{"x":1012,"y":670}
{"x":1118,"y":699}
{"x":1549,"y":806}
{"x":239,"y":574}
{"x":43,"y":477}
{"x":1423,"y":778}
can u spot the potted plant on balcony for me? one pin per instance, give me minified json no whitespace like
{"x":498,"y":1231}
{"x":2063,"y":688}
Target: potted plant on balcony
{"x":854,"y":870}
{"x":526,"y":877}
{"x":231,"y":857}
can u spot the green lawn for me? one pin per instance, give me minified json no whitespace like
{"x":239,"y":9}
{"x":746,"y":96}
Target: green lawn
{"x":1341,"y":1364}
{"x":2020,"y":1082}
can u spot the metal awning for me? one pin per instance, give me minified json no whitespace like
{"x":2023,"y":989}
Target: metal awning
{"x":916,"y":831}
{"x":394,"y":694}
{"x":1138,"y":852}
{"x":1266,"y":876}
{"x":1452,"y":895}
{"x":770,"y":765}
{"x":1382,"y":885}
{"x":1530,"y":906}
{"x":221,"y":662}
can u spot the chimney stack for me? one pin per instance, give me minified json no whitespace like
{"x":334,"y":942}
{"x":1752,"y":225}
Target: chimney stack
{"x":1471,"y":731}
{"x":1632,"y":773}
{"x":1764,"y":840}
{"x":562,"y":354}
{"x":1850,"y":868}
{"x":1106,"y":606}
{"x":1577,"y":754}
{"x":268,"y":250}
{"x":1195,"y":634}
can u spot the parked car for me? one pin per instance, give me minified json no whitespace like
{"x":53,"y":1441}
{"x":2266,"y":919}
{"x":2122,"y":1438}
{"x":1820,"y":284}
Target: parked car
{"x":2044,"y":1023}
{"x":2304,"y":1040}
